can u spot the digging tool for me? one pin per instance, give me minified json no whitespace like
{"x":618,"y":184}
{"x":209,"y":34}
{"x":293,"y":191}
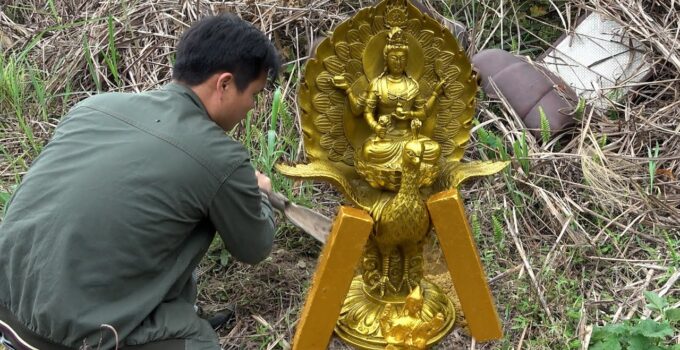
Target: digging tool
{"x":308,"y":220}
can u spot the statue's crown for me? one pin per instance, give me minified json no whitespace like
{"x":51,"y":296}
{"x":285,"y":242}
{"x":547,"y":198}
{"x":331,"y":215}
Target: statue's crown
{"x":396,"y":37}
{"x":416,"y":295}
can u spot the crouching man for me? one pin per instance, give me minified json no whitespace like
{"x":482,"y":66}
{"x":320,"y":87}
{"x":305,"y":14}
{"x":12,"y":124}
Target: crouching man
{"x":115,"y":214}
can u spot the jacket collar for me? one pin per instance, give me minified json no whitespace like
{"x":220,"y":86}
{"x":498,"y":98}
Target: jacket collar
{"x":185,"y":90}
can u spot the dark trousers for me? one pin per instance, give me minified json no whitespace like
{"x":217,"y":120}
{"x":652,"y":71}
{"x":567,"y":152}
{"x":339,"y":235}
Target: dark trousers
{"x":20,"y":338}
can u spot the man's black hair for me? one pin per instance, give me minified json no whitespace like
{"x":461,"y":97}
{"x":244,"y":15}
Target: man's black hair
{"x":224,"y":43}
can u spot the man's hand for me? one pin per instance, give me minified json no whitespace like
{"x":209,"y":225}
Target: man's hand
{"x":264,"y":182}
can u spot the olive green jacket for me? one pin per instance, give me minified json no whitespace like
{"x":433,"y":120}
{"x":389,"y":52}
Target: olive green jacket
{"x":115,"y":214}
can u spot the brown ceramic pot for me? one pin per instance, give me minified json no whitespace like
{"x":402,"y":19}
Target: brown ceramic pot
{"x":527,"y":87}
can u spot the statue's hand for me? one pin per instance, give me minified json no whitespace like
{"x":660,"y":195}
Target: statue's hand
{"x":383,"y":124}
{"x":381,"y":131}
{"x":416,"y":124}
{"x":384,"y":120}
{"x":440,"y":87}
{"x":401,"y":114}
{"x":340,"y":82}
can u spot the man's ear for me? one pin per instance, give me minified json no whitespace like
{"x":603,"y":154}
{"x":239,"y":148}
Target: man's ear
{"x":224,"y":80}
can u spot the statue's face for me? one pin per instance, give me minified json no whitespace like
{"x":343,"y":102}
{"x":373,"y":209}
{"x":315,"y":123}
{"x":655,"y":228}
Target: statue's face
{"x":413,"y":306}
{"x":396,"y":61}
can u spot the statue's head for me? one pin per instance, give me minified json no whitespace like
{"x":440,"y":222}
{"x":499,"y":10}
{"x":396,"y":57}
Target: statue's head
{"x":396,"y":51}
{"x":414,"y":149}
{"x":413,"y":152}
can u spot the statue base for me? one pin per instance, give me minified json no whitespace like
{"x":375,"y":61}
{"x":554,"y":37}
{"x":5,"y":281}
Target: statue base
{"x":359,"y":322}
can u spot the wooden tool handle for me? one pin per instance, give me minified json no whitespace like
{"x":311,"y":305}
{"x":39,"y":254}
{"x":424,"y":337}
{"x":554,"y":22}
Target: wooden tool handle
{"x":278,"y":201}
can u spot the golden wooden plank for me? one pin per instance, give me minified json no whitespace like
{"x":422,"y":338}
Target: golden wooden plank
{"x":332,"y":279}
{"x":455,"y":238}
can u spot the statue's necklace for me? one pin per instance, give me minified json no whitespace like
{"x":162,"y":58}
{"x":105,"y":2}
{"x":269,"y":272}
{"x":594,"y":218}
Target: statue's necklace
{"x":398,"y":92}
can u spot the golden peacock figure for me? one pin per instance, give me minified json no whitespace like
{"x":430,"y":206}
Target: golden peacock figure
{"x":387,"y":105}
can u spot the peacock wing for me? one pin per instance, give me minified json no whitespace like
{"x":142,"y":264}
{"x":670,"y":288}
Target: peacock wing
{"x":356,"y":190}
{"x":454,"y":173}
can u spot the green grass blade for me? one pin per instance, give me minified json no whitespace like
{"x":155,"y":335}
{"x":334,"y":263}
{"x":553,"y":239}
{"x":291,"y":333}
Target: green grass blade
{"x":90,"y":62}
{"x":40,"y":92}
{"x":111,"y":55}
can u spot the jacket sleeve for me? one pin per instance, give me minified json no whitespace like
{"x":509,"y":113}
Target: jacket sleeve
{"x":243,"y":216}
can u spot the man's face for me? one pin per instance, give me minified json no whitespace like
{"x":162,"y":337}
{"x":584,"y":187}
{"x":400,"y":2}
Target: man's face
{"x":235,"y":105}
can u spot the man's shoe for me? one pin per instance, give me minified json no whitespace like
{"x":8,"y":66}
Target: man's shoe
{"x":221,"y":318}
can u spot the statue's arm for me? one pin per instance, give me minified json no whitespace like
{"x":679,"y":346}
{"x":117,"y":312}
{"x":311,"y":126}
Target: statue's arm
{"x":369,"y":110}
{"x":422,"y":113}
{"x":422,"y":110}
{"x":355,"y":102}
{"x":427,"y":108}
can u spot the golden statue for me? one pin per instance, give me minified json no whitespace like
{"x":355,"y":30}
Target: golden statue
{"x":387,"y":106}
{"x":394,"y":98}
{"x":407,"y":330}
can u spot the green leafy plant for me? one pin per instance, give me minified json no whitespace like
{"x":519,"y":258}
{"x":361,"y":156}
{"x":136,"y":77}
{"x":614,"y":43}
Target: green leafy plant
{"x":636,"y":334}
{"x":580,"y":107}
{"x":271,"y":145}
{"x":13,"y":91}
{"x":53,"y":10}
{"x":39,"y":92}
{"x":498,"y":230}
{"x":495,"y":147}
{"x":673,"y":243}
{"x":4,"y":198}
{"x":602,"y":140}
{"x":111,"y":55}
{"x":90,"y":62}
{"x":475,"y":226}
{"x":265,"y":142}
{"x":615,"y":94}
{"x":224,"y":257}
{"x":518,"y":197}
{"x":545,"y":126}
{"x":522,"y":152}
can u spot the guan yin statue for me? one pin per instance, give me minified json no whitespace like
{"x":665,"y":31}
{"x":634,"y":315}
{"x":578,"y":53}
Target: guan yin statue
{"x":387,"y":105}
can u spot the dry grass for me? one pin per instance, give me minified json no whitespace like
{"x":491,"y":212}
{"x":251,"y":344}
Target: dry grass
{"x":569,"y":245}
